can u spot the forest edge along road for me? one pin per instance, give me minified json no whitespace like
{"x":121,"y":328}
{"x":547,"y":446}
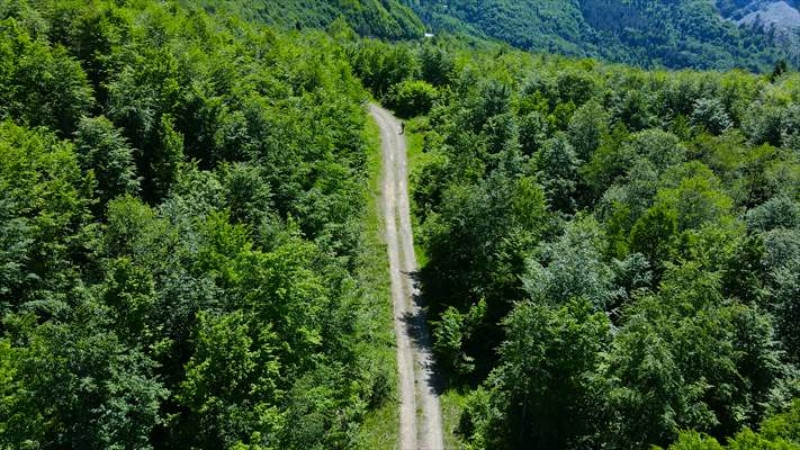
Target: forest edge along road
{"x":420,"y":415}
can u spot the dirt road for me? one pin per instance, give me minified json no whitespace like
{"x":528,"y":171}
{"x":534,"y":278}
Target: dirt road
{"x":420,"y":416}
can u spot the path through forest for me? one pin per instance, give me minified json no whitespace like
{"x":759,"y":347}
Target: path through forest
{"x":420,"y":416}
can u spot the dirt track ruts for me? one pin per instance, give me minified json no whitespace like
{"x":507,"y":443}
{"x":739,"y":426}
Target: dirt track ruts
{"x":420,"y":415}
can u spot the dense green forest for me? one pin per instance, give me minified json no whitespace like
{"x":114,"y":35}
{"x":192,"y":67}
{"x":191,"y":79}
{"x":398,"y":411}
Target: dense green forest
{"x":650,"y":33}
{"x":180,"y":235}
{"x":613,"y":255}
{"x":700,"y":34}
{"x":378,"y":18}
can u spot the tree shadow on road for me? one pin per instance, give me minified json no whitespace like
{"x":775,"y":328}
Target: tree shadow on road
{"x":417,"y":326}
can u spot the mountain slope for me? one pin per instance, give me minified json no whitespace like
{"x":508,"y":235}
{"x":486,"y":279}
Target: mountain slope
{"x":779,"y":17}
{"x":699,"y":34}
{"x":669,"y":33}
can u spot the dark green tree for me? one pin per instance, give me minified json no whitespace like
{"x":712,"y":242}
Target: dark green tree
{"x":102,"y":150}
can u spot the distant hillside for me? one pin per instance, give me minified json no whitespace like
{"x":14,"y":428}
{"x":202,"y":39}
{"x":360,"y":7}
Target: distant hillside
{"x":672,"y":33}
{"x":379,"y":18}
{"x":781,"y":18}
{"x":700,"y":34}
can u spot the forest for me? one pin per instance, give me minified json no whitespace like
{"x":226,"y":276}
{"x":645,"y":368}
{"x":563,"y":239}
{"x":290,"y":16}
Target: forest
{"x":678,"y":34}
{"x":181,"y":244}
{"x":388,"y":19}
{"x":611,"y":254}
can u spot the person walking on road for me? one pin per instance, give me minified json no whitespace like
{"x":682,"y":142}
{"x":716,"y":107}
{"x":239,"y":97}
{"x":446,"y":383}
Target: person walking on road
{"x":402,"y":128}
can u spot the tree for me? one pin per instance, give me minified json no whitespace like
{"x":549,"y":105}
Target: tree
{"x":533,"y":132}
{"x":711,"y":115}
{"x":231,"y":383}
{"x":247,"y":196}
{"x":166,"y":158}
{"x":689,"y":360}
{"x":437,"y":65}
{"x":778,"y":432}
{"x":451,"y":335}
{"x":783,"y":260}
{"x":557,"y":169}
{"x":77,"y":386}
{"x":381,"y":66}
{"x":587,"y":128}
{"x":102,"y":150}
{"x":571,"y":267}
{"x":777,"y":212}
{"x":40,"y":85}
{"x":790,"y":136}
{"x":780,"y":69}
{"x":663,"y":150}
{"x":412,"y":98}
{"x":494,"y":100}
{"x":651,"y":235}
{"x":542,"y":393}
{"x":45,"y":217}
{"x":693,"y":192}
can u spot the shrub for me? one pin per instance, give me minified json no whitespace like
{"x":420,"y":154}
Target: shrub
{"x":412,"y":98}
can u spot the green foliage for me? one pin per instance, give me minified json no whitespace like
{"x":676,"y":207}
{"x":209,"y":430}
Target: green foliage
{"x":571,"y":267}
{"x":231,"y":382}
{"x":587,"y":128}
{"x":384,"y":19}
{"x":40,"y":85}
{"x":451,"y":333}
{"x":695,"y":441}
{"x":651,"y":235}
{"x":541,"y":392}
{"x":411,"y":98}
{"x":649,"y":196}
{"x":166,"y":161}
{"x":613,"y":253}
{"x":677,"y":34}
{"x":437,"y":65}
{"x":711,"y":115}
{"x":78,"y":386}
{"x":45,"y":216}
{"x":557,"y":165}
{"x":102,"y":150}
{"x":180,"y":232}
{"x":777,"y":212}
{"x":381,"y":66}
{"x":680,"y":360}
{"x":778,"y":431}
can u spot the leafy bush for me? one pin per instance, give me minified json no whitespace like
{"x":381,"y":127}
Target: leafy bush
{"x":412,"y":98}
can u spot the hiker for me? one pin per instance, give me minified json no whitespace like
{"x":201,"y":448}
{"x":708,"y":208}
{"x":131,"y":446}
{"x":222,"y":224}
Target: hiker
{"x":402,"y":128}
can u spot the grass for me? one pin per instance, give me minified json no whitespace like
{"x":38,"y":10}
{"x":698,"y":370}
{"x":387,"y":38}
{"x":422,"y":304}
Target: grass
{"x":381,"y":425}
{"x":452,"y":403}
{"x":380,"y":428}
{"x":415,"y":140}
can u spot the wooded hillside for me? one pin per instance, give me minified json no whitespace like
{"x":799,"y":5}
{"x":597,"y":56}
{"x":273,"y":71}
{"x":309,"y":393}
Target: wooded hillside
{"x":649,"y":33}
